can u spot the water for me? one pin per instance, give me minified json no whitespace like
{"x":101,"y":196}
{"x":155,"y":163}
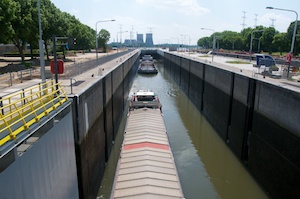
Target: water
{"x":206,"y":166}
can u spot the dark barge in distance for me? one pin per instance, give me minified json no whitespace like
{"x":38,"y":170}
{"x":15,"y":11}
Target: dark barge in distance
{"x":147,"y":65}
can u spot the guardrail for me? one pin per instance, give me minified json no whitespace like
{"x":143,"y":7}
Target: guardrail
{"x":79,"y":68}
{"x":8,"y":79}
{"x":22,"y":109}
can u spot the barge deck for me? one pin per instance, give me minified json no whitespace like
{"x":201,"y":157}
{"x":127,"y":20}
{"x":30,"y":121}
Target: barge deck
{"x":146,"y":168}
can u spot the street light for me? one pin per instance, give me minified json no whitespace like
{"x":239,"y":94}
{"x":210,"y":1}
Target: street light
{"x":214,"y":42}
{"x":294,"y":34}
{"x":251,"y":39}
{"x":177,"y":43}
{"x":189,"y":41}
{"x":97,"y":37}
{"x":41,"y":44}
{"x":258,"y":45}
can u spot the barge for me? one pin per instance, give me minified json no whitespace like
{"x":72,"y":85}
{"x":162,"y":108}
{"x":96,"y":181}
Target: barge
{"x":146,"y":167}
{"x":147,"y":65}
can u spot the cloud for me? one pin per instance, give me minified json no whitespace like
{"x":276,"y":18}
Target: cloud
{"x":74,"y":11}
{"x":186,"y":7}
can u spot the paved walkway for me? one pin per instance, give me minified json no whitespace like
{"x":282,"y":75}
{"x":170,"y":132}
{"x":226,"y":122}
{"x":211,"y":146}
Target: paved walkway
{"x":244,"y":69}
{"x":87,"y":78}
{"x":79,"y":82}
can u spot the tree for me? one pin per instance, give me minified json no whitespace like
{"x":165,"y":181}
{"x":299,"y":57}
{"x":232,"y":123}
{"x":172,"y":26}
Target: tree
{"x":267,"y":39}
{"x":8,"y":10}
{"x":204,"y":42}
{"x":290,"y":33}
{"x":280,"y":43}
{"x":85,"y":36}
{"x":21,"y":25}
{"x":246,"y":37}
{"x":34,"y":36}
{"x":54,"y":25}
{"x":103,"y":38}
{"x":238,"y":44}
{"x":228,"y":40}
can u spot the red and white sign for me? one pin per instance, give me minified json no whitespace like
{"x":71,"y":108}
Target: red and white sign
{"x":288,"y":58}
{"x":60,"y":66}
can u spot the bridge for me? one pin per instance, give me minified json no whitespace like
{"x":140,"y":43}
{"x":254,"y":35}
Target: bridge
{"x":56,"y":142}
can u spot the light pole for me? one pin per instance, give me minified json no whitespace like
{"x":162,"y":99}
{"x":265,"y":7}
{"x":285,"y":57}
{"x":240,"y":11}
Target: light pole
{"x":97,"y":37}
{"x":189,"y":41}
{"x":251,"y":39}
{"x":214,"y":42}
{"x":294,"y":33}
{"x":177,"y":43}
{"x":41,"y":44}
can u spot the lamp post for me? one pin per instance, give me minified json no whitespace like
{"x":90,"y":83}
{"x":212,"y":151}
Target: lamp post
{"x":258,"y":45}
{"x":214,"y":42}
{"x":189,"y":41}
{"x":251,"y":39}
{"x":41,"y":44}
{"x":97,"y":37}
{"x":177,"y":43}
{"x":294,"y":33}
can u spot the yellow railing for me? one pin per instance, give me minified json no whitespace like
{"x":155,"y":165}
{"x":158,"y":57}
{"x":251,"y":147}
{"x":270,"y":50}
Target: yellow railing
{"x":20,"y":110}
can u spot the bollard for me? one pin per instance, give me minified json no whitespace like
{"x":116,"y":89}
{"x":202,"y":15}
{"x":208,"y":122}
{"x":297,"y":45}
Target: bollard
{"x":1,"y":105}
{"x":21,"y":76}
{"x":23,"y":96}
{"x":71,"y":84}
{"x":10,"y":78}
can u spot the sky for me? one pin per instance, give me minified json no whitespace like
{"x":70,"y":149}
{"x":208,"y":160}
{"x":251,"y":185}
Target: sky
{"x":178,"y":21}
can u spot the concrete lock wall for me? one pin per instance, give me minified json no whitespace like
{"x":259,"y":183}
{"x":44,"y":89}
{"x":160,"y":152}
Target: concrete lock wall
{"x":184,"y":75}
{"x":196,"y":84}
{"x":259,"y":121}
{"x":216,"y":98}
{"x":98,"y":110}
{"x":275,"y":140}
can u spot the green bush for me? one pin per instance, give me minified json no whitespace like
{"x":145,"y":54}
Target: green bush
{"x":274,"y":68}
{"x":27,"y":64}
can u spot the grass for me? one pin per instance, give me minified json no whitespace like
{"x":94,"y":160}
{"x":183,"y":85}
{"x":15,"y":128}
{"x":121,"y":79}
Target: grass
{"x":238,"y":62}
{"x":203,"y":56}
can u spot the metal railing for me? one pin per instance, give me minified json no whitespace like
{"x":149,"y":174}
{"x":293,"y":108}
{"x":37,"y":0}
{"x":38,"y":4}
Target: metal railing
{"x":79,"y":68}
{"x":20,"y":110}
{"x":10,"y":78}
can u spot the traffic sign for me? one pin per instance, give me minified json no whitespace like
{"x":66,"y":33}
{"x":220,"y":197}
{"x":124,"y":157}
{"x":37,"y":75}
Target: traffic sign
{"x":288,"y":58}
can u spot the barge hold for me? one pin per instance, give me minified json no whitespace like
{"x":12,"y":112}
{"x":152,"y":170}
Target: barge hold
{"x":147,"y":65}
{"x":146,"y":167}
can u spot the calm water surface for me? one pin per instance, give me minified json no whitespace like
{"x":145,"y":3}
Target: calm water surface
{"x":206,"y":166}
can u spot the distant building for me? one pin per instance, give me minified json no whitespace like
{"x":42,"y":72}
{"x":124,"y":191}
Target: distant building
{"x":149,"y":40}
{"x":4,"y":48}
{"x":130,"y":42}
{"x":140,"y":38}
